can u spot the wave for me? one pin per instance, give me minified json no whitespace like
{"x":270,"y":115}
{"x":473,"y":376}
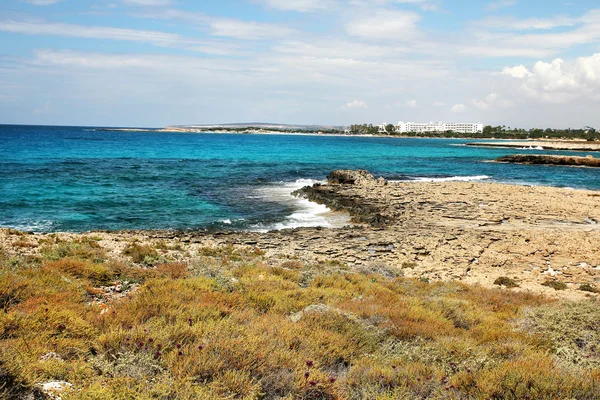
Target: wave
{"x":445,"y":179}
{"x":532,"y":148}
{"x":306,"y":214}
{"x":38,"y":226}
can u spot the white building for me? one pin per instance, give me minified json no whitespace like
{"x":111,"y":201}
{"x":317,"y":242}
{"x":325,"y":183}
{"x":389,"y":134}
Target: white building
{"x":406,"y":127}
{"x":382,"y":128}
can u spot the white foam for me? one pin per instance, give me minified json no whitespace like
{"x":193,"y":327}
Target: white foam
{"x":306,"y":213}
{"x":31,"y":226}
{"x":532,"y":148}
{"x":226,"y":221}
{"x":448,"y":179}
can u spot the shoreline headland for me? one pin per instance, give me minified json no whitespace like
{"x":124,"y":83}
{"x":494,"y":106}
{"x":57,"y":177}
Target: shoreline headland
{"x":569,"y":145}
{"x":474,"y":232}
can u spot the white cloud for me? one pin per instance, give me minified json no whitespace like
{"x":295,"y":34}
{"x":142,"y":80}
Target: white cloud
{"x":247,"y":30}
{"x":497,"y":5}
{"x":90,"y":32}
{"x":152,"y":3}
{"x":337,"y":5}
{"x":491,"y":40}
{"x":47,"y":108}
{"x":43,"y":2}
{"x":514,"y":24}
{"x":356,"y":104}
{"x":458,"y":108}
{"x":334,"y":48}
{"x":519,"y":71}
{"x":492,"y":100}
{"x":298,"y":5}
{"x":411,"y":103}
{"x":482,"y":105}
{"x":560,"y":82}
{"x":393,"y":25}
{"x":224,"y":27}
{"x":492,"y":97}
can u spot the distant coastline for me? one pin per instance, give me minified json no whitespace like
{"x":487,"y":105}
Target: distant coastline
{"x":489,"y":133}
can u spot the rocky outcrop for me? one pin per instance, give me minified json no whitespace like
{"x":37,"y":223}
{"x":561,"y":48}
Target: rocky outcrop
{"x":570,"y":145}
{"x":336,"y":198}
{"x":350,"y":177}
{"x":551,"y":160}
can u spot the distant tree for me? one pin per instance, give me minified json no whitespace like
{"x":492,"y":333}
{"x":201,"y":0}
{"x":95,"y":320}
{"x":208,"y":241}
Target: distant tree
{"x":487,"y":130}
{"x":390,"y":128}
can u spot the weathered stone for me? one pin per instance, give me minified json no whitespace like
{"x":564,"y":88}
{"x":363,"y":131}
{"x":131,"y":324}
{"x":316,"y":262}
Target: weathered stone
{"x":551,"y":160}
{"x":55,"y":389}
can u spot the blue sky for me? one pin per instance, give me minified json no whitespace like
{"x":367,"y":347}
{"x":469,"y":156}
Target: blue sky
{"x":165,"y":62}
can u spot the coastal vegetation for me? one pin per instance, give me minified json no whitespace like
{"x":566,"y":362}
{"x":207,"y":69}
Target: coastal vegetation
{"x":158,"y":321}
{"x":489,"y":132}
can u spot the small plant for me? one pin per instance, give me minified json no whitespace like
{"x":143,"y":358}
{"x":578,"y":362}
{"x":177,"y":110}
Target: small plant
{"x":556,"y":285}
{"x":586,"y":287}
{"x":141,"y":254}
{"x":24,"y":244}
{"x":506,"y":282}
{"x":173,"y":270}
{"x":409,"y":265}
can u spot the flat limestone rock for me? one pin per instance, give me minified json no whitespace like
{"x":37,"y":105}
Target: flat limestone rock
{"x":551,"y":160}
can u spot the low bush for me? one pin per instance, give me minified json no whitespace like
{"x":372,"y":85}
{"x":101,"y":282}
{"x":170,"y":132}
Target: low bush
{"x":586,"y":287}
{"x":554,"y":284}
{"x":142,"y":254}
{"x":506,"y":282}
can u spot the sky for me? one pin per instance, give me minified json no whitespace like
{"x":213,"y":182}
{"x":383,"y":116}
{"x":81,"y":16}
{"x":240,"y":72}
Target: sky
{"x":153,"y":63}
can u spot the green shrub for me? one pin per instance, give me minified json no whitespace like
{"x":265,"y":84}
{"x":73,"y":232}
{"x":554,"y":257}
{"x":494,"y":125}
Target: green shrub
{"x":586,"y":287}
{"x":506,"y":281}
{"x":554,"y":284}
{"x":142,"y":254}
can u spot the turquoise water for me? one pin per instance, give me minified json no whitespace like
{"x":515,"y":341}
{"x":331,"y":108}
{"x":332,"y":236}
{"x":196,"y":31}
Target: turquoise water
{"x":79,"y":179}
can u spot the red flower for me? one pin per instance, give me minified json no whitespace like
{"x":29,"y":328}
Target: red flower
{"x":332,"y":379}
{"x":306,"y":374}
{"x":312,"y":383}
{"x":309,"y":363}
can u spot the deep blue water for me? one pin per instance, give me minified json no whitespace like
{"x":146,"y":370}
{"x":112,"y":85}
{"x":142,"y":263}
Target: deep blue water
{"x":79,"y":179}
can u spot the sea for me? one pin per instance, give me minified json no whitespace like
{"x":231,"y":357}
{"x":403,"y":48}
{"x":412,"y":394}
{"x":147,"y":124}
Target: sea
{"x":78,"y":179}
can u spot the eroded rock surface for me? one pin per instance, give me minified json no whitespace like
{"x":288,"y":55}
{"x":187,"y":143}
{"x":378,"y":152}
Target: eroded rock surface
{"x":551,"y":160}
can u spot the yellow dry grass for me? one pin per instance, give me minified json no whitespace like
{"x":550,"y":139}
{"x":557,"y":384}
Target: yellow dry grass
{"x":232,"y":327}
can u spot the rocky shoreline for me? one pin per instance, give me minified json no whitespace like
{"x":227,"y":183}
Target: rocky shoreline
{"x":473,"y":232}
{"x":551,"y":160}
{"x":568,"y":145}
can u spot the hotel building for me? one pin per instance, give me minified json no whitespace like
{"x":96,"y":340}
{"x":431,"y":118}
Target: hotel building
{"x":406,"y":127}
